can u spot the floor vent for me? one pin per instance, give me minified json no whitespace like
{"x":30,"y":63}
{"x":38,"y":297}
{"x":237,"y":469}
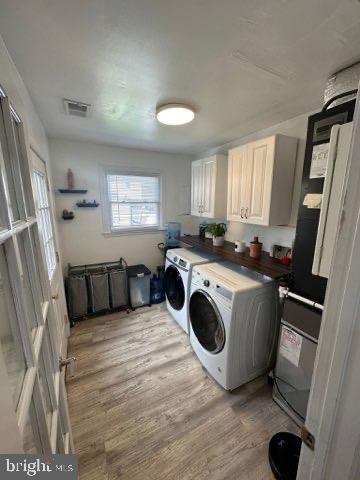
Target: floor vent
{"x":77,"y":109}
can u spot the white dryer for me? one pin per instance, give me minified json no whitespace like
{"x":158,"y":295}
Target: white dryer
{"x":178,"y":270}
{"x":233,"y":322}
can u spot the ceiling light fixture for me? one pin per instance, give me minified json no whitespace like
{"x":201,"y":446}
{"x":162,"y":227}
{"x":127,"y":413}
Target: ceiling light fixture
{"x":175,"y":114}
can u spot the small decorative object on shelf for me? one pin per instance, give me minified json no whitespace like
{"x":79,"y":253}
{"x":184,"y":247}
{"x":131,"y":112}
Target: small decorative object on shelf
{"x":71,"y":184}
{"x":66,"y":215}
{"x":70,"y":179}
{"x":85,"y":204}
{"x":255,"y":248}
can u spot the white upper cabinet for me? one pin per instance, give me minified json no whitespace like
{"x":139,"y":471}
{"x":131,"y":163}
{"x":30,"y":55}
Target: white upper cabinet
{"x":208,"y":187}
{"x":196,"y":187}
{"x":237,"y":190}
{"x":260,"y":181}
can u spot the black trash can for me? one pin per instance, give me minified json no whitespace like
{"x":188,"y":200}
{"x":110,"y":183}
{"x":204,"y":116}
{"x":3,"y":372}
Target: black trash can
{"x":139,"y":285}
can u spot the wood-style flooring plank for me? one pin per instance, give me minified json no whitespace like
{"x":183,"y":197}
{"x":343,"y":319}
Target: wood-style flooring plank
{"x":142,"y":407}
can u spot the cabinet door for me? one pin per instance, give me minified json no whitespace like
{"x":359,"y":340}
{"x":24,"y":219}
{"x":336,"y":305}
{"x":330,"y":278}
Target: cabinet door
{"x":196,"y":187}
{"x":209,"y":179}
{"x":260,"y":162}
{"x":237,"y":184}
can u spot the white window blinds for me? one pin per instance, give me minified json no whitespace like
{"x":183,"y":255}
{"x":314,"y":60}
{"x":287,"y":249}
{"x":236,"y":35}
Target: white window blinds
{"x":134,"y":201}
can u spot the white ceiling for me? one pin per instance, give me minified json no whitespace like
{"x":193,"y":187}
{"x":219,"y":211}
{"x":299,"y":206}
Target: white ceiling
{"x":244,"y":64}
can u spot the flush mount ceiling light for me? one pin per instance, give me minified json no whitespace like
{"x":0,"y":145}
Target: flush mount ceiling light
{"x":175,"y":114}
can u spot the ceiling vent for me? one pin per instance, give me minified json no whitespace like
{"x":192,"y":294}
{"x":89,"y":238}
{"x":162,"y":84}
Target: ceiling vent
{"x":77,"y":109}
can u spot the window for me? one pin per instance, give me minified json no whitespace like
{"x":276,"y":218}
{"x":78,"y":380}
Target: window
{"x":133,"y":201}
{"x":44,"y":218}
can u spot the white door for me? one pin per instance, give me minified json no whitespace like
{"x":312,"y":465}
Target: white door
{"x":237,"y":184}
{"x":209,"y":179}
{"x":196,"y":187}
{"x":260,"y":156}
{"x":44,"y":213}
{"x":33,"y":390}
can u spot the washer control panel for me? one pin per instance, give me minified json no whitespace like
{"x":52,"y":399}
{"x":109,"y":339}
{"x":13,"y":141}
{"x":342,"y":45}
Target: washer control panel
{"x":177,"y":260}
{"x":212,"y":287}
{"x":182,"y":263}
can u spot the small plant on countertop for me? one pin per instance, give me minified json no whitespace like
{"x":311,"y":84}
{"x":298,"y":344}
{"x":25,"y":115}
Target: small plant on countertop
{"x":208,"y":233}
{"x":218,"y":231}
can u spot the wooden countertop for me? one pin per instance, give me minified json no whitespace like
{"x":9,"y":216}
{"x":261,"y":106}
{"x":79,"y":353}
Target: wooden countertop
{"x":266,"y":265}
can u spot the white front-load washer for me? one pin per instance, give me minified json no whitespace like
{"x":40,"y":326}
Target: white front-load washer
{"x":178,"y":270}
{"x":233,"y":322}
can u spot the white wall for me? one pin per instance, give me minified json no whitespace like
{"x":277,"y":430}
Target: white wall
{"x":295,"y":127}
{"x":82,"y":239}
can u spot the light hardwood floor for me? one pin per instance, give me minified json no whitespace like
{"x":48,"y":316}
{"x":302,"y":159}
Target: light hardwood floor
{"x":142,"y":407}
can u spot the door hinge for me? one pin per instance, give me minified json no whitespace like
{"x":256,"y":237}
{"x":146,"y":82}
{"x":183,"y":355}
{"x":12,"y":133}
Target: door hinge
{"x":57,"y":257}
{"x":308,"y":438}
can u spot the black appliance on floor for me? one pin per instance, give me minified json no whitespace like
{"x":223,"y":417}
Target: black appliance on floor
{"x":304,"y":302}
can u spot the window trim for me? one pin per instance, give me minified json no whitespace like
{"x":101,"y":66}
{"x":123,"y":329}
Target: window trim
{"x":105,"y":204}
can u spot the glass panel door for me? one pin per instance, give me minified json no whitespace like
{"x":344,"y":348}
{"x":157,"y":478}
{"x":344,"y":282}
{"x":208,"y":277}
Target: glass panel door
{"x":31,"y":340}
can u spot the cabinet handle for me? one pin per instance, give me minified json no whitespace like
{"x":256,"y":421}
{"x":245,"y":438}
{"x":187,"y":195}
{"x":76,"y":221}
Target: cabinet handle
{"x":246,"y":212}
{"x":241,"y":212}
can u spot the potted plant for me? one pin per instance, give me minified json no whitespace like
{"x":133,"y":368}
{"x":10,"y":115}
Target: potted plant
{"x":218,"y":231}
{"x":208,"y":233}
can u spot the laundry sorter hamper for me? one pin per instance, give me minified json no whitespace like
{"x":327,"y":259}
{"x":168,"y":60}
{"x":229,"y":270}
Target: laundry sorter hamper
{"x":96,"y":288}
{"x":77,"y":295}
{"x":118,"y":286}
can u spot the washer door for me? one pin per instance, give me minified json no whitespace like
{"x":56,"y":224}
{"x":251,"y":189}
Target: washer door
{"x":206,"y":322}
{"x":174,"y":288}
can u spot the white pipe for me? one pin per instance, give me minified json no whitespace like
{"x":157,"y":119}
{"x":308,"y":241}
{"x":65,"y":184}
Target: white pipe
{"x":306,"y":301}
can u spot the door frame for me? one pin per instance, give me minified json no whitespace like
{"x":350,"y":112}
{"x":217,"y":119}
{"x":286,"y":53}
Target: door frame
{"x":332,"y":415}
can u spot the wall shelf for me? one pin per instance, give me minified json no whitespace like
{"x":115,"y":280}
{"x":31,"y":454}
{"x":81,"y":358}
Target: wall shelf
{"x":87,"y":204}
{"x":72,"y":190}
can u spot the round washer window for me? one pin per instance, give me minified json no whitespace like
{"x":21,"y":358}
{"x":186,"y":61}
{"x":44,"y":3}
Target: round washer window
{"x":206,"y":322}
{"x":174,"y":288}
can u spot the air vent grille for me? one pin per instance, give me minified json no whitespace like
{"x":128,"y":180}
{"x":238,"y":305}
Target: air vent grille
{"x":77,"y":109}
